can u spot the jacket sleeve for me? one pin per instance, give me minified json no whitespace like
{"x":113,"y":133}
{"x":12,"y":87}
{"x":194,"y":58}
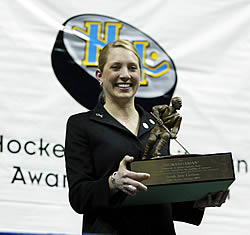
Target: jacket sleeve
{"x":86,"y":193}
{"x":184,"y":212}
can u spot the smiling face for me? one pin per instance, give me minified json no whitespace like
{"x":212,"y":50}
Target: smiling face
{"x":120,"y":76}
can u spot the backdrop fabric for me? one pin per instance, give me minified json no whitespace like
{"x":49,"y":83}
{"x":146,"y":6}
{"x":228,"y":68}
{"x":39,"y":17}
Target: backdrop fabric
{"x":209,"y":42}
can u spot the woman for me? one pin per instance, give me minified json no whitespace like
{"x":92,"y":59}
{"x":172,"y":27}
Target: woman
{"x":99,"y":145}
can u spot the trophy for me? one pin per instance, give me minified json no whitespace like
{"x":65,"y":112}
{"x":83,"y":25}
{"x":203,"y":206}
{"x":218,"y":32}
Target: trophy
{"x":166,"y":128}
{"x":180,"y":177}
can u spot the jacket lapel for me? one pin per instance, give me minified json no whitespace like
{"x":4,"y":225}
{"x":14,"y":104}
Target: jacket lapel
{"x":99,"y":114}
{"x":147,"y":122}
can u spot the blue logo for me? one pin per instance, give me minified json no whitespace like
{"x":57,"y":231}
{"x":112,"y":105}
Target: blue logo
{"x":84,"y":36}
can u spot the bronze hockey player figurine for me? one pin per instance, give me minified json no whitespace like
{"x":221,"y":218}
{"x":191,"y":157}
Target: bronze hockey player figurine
{"x":167,"y":116}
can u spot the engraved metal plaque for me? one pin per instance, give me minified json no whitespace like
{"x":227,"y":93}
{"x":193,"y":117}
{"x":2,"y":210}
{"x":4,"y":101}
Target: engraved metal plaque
{"x":185,"y":168}
{"x":182,"y":178}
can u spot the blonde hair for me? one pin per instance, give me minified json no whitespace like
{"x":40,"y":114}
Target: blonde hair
{"x":103,"y":56}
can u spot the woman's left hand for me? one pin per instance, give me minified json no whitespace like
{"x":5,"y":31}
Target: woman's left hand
{"x":212,"y":201}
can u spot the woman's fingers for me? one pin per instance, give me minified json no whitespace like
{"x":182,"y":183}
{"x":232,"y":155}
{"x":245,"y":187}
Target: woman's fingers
{"x":134,"y":175}
{"x":125,"y":160}
{"x":137,"y":186}
{"x":217,"y":200}
{"x":130,"y":189}
{"x":129,"y":181}
{"x":221,"y":198}
{"x":211,"y":201}
{"x":130,"y":185}
{"x":224,"y":196}
{"x":137,"y":176}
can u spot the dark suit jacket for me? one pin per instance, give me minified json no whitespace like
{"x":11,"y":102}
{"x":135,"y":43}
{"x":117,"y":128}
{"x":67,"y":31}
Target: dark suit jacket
{"x":95,"y":145}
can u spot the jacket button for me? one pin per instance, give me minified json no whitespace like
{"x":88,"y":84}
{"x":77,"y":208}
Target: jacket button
{"x":145,"y":125}
{"x":152,"y":121}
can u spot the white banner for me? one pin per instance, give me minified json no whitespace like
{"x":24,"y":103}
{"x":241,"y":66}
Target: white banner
{"x":209,"y":43}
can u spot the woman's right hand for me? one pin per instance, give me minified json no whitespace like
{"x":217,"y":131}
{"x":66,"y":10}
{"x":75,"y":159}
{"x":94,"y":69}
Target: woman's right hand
{"x":127,"y":181}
